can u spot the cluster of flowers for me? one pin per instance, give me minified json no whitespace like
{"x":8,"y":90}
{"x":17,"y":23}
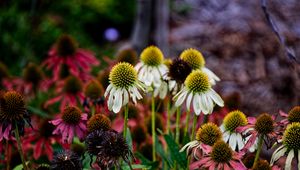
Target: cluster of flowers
{"x":83,"y":124}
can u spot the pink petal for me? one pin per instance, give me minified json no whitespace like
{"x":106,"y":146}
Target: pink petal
{"x":55,"y":122}
{"x":53,"y":100}
{"x":283,"y":114}
{"x":251,"y":120}
{"x":206,"y":148}
{"x":38,"y":149}
{"x":48,"y":150}
{"x":79,"y":132}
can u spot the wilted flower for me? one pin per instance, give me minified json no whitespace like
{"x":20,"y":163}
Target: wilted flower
{"x":198,"y":91}
{"x":231,"y":121}
{"x":12,"y":113}
{"x":66,"y":53}
{"x":207,"y":134}
{"x":196,"y":60}
{"x":66,"y":160}
{"x":220,"y":156}
{"x":72,"y":121}
{"x":108,"y":147}
{"x":123,"y":84}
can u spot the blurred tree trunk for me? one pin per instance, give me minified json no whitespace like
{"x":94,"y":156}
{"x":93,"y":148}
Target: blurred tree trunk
{"x":151,"y":25}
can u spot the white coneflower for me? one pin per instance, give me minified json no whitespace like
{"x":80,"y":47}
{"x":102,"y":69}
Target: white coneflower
{"x":123,"y":84}
{"x":207,"y":134}
{"x":151,"y":67}
{"x":231,"y":121}
{"x":290,"y":146}
{"x":197,"y":89}
{"x":196,"y":60}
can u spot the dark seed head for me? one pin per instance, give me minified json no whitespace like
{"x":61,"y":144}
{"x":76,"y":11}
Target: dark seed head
{"x":264,"y":124}
{"x":66,"y":160}
{"x":71,"y":115}
{"x":66,"y":46}
{"x":179,"y":70}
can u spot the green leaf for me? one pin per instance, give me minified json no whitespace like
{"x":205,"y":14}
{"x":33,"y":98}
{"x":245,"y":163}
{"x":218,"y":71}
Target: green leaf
{"x":38,"y":112}
{"x":179,"y":157}
{"x":129,"y":138}
{"x":135,"y":166}
{"x":18,"y":167}
{"x":145,"y":161}
{"x":163,"y":154}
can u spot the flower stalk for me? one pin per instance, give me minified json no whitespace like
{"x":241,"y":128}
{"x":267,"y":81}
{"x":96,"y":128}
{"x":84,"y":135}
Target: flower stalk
{"x":259,"y":147}
{"x":125,"y":121}
{"x":195,"y":118}
{"x":177,"y":125}
{"x":153,"y":128}
{"x":20,"y":147}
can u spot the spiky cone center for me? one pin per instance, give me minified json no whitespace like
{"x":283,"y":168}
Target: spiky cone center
{"x":152,"y":56}
{"x":179,"y":70}
{"x":66,"y":46}
{"x":71,"y":115}
{"x":234,"y":119}
{"x":73,"y":85}
{"x":294,"y":114}
{"x":127,"y":55}
{"x":123,"y":75}
{"x":193,"y":57}
{"x":221,"y":152}
{"x":264,"y":124}
{"x":12,"y":106}
{"x":197,"y":82}
{"x":32,"y":73}
{"x":208,"y":134}
{"x":291,"y":136}
{"x":98,"y":122}
{"x":262,"y":164}
{"x":93,"y":90}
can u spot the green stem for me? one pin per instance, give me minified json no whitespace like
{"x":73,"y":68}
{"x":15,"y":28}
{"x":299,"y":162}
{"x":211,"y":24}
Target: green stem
{"x":195,"y":120}
{"x":20,"y":147}
{"x":259,"y":147}
{"x":187,"y":122}
{"x":177,"y":125}
{"x":125,"y":121}
{"x":153,"y":129}
{"x":168,"y":116}
{"x":93,"y":111}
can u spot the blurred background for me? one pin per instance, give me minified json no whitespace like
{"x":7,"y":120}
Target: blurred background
{"x":234,"y":37}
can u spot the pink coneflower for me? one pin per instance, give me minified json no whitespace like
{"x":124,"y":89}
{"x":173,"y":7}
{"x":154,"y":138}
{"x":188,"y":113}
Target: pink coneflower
{"x":292,"y":116}
{"x":262,"y":127}
{"x":72,"y":121}
{"x":42,"y":138}
{"x":66,"y":53}
{"x":32,"y":80}
{"x":69,"y":93}
{"x":220,"y":156}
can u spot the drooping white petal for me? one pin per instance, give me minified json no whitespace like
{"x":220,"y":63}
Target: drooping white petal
{"x":138,"y":66}
{"x":111,"y":98}
{"x":109,"y":87}
{"x":188,"y":101}
{"x":226,"y":136}
{"x":117,"y":101}
{"x":203,"y":104}
{"x":232,"y":141}
{"x":298,"y":159}
{"x":211,"y":75}
{"x":240,"y":141}
{"x":279,"y":152}
{"x":156,"y":78}
{"x":181,"y":98}
{"x":126,"y":97}
{"x":136,"y":92}
{"x":217,"y":99}
{"x":164,"y":90}
{"x":210,"y":103}
{"x":288,"y":162}
{"x":196,"y":105}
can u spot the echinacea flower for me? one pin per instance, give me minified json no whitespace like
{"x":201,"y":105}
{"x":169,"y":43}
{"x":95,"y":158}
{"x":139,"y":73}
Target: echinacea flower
{"x":93,"y":92}
{"x":68,"y":91}
{"x":42,"y":138}
{"x":64,"y":160}
{"x":65,"y":53}
{"x":32,"y":80}
{"x":231,"y":121}
{"x":196,"y":60}
{"x":178,"y":71}
{"x":292,"y":116}
{"x":263,"y":127}
{"x":98,"y":122}
{"x":123,"y":84}
{"x":72,"y":121}
{"x":264,"y":165}
{"x":290,"y":146}
{"x":151,"y":68}
{"x":207,"y":134}
{"x":197,"y":90}
{"x":220,"y":156}
{"x":108,"y":147}
{"x":13,"y":114}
